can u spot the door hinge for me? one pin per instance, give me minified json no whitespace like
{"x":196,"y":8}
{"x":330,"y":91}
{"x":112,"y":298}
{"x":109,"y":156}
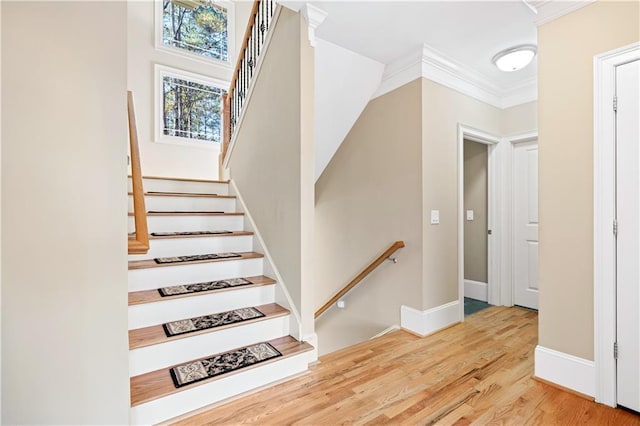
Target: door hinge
{"x":615,"y":103}
{"x":615,"y":228}
{"x":615,"y":350}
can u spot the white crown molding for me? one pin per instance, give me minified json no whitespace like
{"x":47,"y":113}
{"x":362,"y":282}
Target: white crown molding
{"x":314,"y":17}
{"x":434,"y":65}
{"x":553,"y":9}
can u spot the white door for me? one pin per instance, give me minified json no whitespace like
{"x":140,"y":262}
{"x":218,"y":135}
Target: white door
{"x":628,"y":239}
{"x":525,"y":224}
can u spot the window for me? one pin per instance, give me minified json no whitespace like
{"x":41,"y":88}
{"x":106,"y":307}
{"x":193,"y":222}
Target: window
{"x":195,"y":27}
{"x":190,"y":107}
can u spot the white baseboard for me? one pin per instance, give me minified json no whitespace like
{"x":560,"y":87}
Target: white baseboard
{"x":431,"y":320}
{"x":476,"y":290}
{"x":386,"y":330}
{"x":566,"y":370}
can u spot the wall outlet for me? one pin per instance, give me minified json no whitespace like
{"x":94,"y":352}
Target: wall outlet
{"x":469,"y":214}
{"x":341,"y":304}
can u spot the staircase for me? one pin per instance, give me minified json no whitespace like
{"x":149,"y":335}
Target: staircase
{"x":188,"y":206}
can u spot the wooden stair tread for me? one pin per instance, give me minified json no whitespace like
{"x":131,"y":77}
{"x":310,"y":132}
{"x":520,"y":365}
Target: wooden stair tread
{"x":157,"y":384}
{"x":184,"y":194}
{"x":155,"y":334}
{"x":187,"y":213}
{"x":151,"y":296}
{"x":150,"y":263}
{"x":184,"y":179}
{"x":232,"y":234}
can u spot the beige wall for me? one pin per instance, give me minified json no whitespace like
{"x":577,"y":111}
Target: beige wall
{"x":566,"y":48}
{"x":167,"y":159}
{"x":475,"y":198}
{"x":272,"y":161}
{"x":64,"y":260}
{"x":442,"y":110}
{"x":368,"y":197}
{"x":519,"y":119}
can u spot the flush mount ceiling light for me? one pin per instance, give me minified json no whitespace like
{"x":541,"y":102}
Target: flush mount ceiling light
{"x":514,"y":58}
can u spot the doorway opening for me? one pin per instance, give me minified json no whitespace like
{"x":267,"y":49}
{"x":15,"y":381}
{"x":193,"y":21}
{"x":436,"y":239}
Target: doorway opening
{"x":478,"y":220}
{"x":476,"y":226}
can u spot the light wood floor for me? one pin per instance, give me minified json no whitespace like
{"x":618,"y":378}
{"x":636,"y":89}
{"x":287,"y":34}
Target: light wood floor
{"x":478,"y":372}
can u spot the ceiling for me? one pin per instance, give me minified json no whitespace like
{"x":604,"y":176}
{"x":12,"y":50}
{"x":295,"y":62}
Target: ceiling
{"x":468,"y":32}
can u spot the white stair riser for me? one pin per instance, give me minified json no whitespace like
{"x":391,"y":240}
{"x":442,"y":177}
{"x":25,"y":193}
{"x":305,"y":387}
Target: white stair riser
{"x":191,"y":223}
{"x":147,"y":314}
{"x":187,"y":204}
{"x":201,"y":245}
{"x":151,"y":358}
{"x":199,"y":396}
{"x":160,"y":185}
{"x":151,"y":278}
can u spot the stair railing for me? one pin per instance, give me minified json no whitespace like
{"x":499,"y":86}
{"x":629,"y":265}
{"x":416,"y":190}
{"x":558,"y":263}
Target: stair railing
{"x":138,"y":242}
{"x":366,"y":271}
{"x":255,"y":37}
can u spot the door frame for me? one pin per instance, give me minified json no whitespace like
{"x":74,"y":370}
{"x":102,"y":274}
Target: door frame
{"x":604,"y":243}
{"x":494,"y":217}
{"x":508,"y":252}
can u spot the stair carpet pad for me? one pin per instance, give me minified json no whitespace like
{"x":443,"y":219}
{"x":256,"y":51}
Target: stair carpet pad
{"x":205,"y":322}
{"x":215,"y":365}
{"x":195,"y":257}
{"x":178,"y":290}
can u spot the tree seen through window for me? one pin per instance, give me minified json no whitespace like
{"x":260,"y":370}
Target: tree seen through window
{"x":191,"y":110}
{"x":198,"y":26}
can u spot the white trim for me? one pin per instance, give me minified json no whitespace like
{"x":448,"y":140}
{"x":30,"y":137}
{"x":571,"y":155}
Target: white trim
{"x":476,"y":290}
{"x":387,"y":330}
{"x":295,"y":326}
{"x":431,"y":320}
{"x":506,"y":290}
{"x":434,"y":65}
{"x":551,"y":10}
{"x":566,"y":370}
{"x":494,"y":219}
{"x":604,"y":262}
{"x":252,"y":83}
{"x":314,"y":17}
{"x":399,"y":73}
{"x":231,"y":36}
{"x":160,"y":71}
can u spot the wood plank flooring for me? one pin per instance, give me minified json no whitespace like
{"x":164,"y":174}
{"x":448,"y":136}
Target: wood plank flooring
{"x":477,"y":372}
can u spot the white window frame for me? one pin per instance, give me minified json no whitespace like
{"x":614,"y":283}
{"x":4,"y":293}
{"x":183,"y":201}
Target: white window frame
{"x":231,"y":32}
{"x":160,"y":72}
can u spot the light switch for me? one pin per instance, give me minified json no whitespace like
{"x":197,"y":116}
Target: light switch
{"x":435,"y":217}
{"x":469,"y":214}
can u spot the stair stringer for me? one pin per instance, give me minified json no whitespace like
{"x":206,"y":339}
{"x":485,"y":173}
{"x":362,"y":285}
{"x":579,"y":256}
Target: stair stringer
{"x":282,"y":296}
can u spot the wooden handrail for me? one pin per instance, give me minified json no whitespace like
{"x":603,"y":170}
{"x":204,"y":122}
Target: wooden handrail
{"x":245,"y":42}
{"x":384,"y":256}
{"x":138,"y":243}
{"x":255,"y":37}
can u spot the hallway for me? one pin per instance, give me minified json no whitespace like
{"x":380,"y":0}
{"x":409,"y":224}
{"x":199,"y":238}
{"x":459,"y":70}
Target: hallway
{"x":476,"y":372}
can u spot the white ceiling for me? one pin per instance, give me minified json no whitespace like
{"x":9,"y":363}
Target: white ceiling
{"x":469,"y":32}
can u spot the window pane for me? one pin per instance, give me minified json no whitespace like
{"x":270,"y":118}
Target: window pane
{"x":198,"y":26}
{"x":191,"y":110}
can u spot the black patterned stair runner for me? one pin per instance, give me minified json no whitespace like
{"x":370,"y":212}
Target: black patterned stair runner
{"x":210,"y":256}
{"x":192,"y":372}
{"x":171,"y":234}
{"x":205,"y":322}
{"x":181,"y":289}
